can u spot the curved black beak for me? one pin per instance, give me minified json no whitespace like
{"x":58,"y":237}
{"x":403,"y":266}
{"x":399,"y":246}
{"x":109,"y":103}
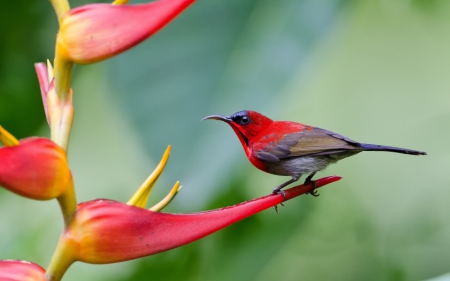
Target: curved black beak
{"x":218,"y":117}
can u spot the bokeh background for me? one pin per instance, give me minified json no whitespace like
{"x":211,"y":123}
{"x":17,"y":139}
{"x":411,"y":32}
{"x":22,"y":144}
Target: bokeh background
{"x":376,"y":71}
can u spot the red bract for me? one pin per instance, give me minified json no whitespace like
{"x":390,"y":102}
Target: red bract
{"x":105,"y":231}
{"x":15,"y":270}
{"x":36,"y":168}
{"x":95,"y":32}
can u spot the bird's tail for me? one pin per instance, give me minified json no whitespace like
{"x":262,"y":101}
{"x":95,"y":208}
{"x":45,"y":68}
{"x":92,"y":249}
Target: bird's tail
{"x":376,"y":147}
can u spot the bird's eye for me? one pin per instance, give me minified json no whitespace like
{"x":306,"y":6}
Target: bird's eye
{"x":245,"y":120}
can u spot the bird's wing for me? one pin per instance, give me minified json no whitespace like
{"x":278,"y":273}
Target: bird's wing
{"x":316,"y":141}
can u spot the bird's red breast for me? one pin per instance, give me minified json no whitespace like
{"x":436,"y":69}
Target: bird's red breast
{"x":269,"y":138}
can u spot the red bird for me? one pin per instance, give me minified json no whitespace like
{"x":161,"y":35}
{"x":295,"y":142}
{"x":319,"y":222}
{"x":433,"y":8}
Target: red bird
{"x":287,"y":148}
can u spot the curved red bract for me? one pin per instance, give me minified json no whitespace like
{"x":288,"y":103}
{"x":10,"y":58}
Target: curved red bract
{"x":36,"y":168}
{"x":95,"y":32}
{"x":107,"y":231}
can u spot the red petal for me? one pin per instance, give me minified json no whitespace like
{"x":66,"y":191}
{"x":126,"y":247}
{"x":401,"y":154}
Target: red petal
{"x":15,"y":270}
{"x":94,"y":32}
{"x":36,"y":168}
{"x":109,"y":231}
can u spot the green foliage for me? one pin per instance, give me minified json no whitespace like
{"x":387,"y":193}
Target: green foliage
{"x":20,"y":110}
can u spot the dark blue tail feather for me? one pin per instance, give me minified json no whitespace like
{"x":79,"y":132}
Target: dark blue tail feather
{"x":376,"y":147}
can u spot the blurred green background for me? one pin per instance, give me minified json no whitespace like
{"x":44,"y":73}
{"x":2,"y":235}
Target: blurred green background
{"x":376,"y":71}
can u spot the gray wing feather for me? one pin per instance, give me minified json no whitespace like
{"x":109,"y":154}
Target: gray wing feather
{"x":266,"y":156}
{"x":290,"y":140}
{"x":341,"y":137}
{"x":283,"y":147}
{"x":315,"y":142}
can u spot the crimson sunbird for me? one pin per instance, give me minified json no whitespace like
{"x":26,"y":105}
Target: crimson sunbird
{"x":288,"y":148}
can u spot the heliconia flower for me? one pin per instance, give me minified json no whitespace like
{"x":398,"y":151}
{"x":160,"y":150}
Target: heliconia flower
{"x":95,"y":32}
{"x":105,"y":231}
{"x":36,"y":168}
{"x":16,"y":270}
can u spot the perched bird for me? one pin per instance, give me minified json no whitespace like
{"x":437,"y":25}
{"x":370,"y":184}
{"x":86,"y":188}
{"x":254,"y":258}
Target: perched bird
{"x":288,"y":148}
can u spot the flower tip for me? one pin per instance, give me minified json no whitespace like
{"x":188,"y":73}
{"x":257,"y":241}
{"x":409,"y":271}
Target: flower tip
{"x":42,"y":73}
{"x":17,"y":270}
{"x":327,"y":180}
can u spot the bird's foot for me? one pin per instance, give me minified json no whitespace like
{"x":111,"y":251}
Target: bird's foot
{"x":283,"y":194}
{"x":309,"y":180}
{"x":279,"y":191}
{"x":313,"y":192}
{"x":276,"y":209}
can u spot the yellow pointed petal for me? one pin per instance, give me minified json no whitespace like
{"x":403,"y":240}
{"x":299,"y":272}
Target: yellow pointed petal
{"x":6,"y":138}
{"x":120,"y":2}
{"x":140,"y":197}
{"x":163,"y":203}
{"x":49,"y":71}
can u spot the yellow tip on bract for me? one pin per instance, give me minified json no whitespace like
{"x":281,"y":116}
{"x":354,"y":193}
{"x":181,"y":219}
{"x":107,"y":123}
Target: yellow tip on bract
{"x":49,"y":71}
{"x":140,"y":197}
{"x":163,"y":203}
{"x":6,"y":138}
{"x":120,"y":2}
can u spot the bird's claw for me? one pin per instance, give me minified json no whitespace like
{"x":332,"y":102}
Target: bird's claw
{"x":279,"y":191}
{"x":276,"y":208}
{"x":313,"y":192}
{"x":283,"y":194}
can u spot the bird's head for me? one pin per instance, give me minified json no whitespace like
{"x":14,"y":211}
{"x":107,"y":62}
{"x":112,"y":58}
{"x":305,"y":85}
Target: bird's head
{"x":247,"y":124}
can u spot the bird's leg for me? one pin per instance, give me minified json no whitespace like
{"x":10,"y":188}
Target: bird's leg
{"x":309,"y":178}
{"x":308,"y":181}
{"x":278,"y":188}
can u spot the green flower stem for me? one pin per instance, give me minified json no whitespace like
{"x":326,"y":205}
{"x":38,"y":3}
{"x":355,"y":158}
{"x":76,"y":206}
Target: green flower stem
{"x":61,"y":7}
{"x":68,"y":204}
{"x":62,"y":258}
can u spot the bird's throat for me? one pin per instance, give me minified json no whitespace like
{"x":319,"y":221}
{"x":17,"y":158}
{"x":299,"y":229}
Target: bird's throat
{"x":242,"y":138}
